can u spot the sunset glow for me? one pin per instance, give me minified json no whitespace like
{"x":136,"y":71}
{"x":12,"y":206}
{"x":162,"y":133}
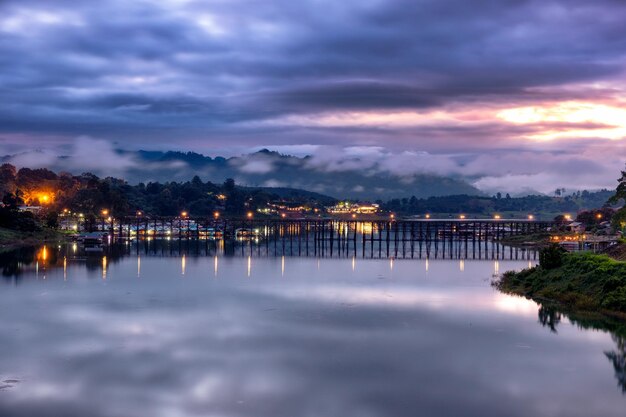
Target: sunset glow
{"x":582,"y":119}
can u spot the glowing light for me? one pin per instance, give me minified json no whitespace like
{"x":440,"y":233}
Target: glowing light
{"x":249,"y":214}
{"x":65,"y":268}
{"x":43,"y":255}
{"x":139,"y":213}
{"x":105,"y":212}
{"x":282,"y":266}
{"x":426,"y":265}
{"x":497,"y":217}
{"x":183,"y":265}
{"x":138,"y":266}
{"x":462,"y":216}
{"x":104,"y":267}
{"x":428,"y":216}
{"x":462,"y":265}
{"x":249,"y":265}
{"x":184,"y":214}
{"x":531,"y":217}
{"x":216,"y":214}
{"x":44,"y":198}
{"x":391,"y":264}
{"x":215,"y":265}
{"x":353,"y":263}
{"x":612,"y":120}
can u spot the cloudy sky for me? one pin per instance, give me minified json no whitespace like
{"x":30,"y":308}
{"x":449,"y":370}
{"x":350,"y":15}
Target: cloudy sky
{"x":517,"y":93}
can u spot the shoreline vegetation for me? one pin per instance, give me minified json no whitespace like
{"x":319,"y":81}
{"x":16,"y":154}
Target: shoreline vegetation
{"x":584,"y":284}
{"x":534,"y":240}
{"x":15,"y":239}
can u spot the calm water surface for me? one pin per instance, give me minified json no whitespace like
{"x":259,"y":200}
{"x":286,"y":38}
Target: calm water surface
{"x":145,"y":335}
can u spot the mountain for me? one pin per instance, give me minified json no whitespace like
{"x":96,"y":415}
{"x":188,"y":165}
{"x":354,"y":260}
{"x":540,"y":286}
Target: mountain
{"x":352,"y":178}
{"x":272,"y":169}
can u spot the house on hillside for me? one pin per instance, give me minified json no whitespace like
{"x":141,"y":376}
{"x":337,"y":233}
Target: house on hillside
{"x":575,"y":227}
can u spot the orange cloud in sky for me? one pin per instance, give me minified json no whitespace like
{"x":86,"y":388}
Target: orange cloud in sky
{"x":593,"y":120}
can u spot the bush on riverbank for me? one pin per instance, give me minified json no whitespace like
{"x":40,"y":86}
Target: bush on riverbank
{"x":583,"y":281}
{"x":551,"y":256}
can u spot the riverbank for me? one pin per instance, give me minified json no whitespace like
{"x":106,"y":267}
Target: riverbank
{"x":12,"y":239}
{"x":617,"y":252}
{"x":583,"y":282}
{"x":534,"y":240}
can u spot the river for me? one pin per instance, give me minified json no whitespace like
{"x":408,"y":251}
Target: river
{"x":137,"y":332}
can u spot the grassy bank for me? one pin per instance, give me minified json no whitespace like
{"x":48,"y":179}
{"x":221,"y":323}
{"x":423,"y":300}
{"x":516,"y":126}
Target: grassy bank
{"x":580,"y":282}
{"x":535,"y":240}
{"x":11,"y":239}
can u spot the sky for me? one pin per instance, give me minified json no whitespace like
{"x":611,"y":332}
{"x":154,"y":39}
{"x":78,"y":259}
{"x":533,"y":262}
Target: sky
{"x":516,"y":94}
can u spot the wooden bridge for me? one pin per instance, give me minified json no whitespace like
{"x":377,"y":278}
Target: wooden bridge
{"x":458,"y":238}
{"x":319,"y":229}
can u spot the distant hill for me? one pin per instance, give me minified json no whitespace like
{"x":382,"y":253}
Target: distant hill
{"x":271,"y":169}
{"x":294,"y":194}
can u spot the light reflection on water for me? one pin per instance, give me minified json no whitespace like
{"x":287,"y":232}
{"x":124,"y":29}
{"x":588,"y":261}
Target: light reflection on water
{"x":301,"y":337}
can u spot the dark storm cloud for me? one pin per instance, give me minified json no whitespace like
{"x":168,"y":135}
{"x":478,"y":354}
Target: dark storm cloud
{"x":196,"y":66}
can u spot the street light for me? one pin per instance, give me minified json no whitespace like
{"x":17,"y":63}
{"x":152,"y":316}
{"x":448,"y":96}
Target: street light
{"x":184,"y":214}
{"x":428,"y":216}
{"x":105,"y":213}
{"x":599,"y":216}
{"x":497,"y":217}
{"x":139,"y":213}
{"x":216,"y":214}
{"x":531,"y":217}
{"x":392,"y":216}
{"x":249,"y":214}
{"x":462,"y":216}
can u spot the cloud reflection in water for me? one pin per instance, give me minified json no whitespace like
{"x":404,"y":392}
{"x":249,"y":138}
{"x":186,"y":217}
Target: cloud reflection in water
{"x":331,"y":341}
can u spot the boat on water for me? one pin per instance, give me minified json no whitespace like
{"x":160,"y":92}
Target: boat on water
{"x":93,"y":242}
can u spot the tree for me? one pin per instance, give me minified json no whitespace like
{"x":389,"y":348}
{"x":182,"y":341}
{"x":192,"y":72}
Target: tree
{"x":197,"y":182}
{"x":619,"y":219}
{"x":551,"y":257}
{"x":229,"y":185}
{"x":12,"y":200}
{"x":620,"y":191}
{"x":52,"y":219}
{"x":8,"y":175}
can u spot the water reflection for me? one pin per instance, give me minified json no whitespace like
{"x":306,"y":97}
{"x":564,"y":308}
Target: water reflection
{"x":335,"y":337}
{"x":618,"y":358}
{"x":550,"y":317}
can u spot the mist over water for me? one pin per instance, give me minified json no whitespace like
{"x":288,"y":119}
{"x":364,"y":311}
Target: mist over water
{"x":138,"y":331}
